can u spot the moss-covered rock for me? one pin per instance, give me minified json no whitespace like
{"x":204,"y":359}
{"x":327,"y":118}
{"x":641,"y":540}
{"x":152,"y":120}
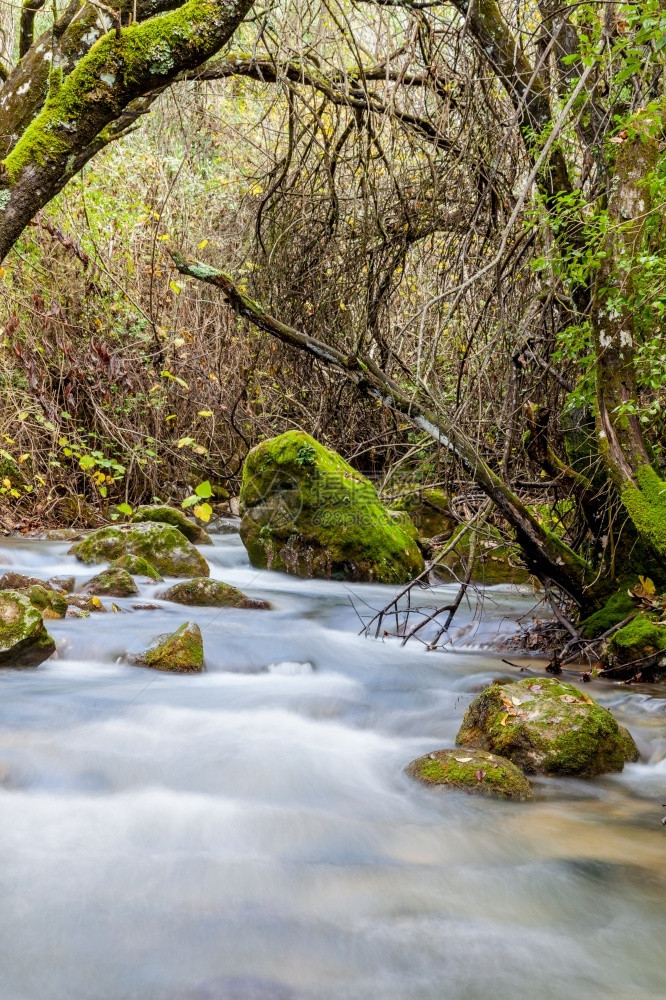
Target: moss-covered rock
{"x":19,"y":581}
{"x":162,"y":545}
{"x":306,"y":512}
{"x":640,"y":639}
{"x":41,"y":594}
{"x":86,"y":605}
{"x":24,"y":642}
{"x":164,"y":514}
{"x":546,"y":727}
{"x":180,"y":651}
{"x":137,"y":567}
{"x":472,"y":771}
{"x":203,"y":592}
{"x":48,"y":602}
{"x":617,"y":607}
{"x":112,"y":582}
{"x":429,"y":510}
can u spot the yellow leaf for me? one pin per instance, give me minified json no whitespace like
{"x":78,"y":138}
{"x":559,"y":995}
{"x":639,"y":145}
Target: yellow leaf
{"x":175,"y":288}
{"x":203,"y":511}
{"x":204,"y":243}
{"x":648,"y":585}
{"x":24,"y":456}
{"x":7,"y":483}
{"x":95,"y":601}
{"x":503,"y":719}
{"x":205,"y":413}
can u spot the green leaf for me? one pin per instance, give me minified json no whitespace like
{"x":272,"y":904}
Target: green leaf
{"x":125,"y":508}
{"x":87,"y":462}
{"x":190,"y":501}
{"x":204,"y":490}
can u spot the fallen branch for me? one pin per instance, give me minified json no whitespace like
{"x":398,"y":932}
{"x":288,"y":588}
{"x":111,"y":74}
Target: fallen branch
{"x":546,"y":556}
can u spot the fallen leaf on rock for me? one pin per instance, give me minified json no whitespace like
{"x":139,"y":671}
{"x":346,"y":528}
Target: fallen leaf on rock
{"x":479,"y":775}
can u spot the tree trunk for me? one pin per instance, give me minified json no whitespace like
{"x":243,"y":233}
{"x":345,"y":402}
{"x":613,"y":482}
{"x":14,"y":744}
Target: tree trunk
{"x":615,"y":329}
{"x":77,"y":117}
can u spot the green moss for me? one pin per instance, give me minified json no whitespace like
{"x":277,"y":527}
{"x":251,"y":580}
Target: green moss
{"x":177,"y":518}
{"x":545,"y":726}
{"x":137,"y":566}
{"x":112,"y":582}
{"x":639,"y":638}
{"x":24,"y":642}
{"x":178,"y":652}
{"x":474,"y":771}
{"x":320,"y":518}
{"x":47,"y":601}
{"x":618,"y":607}
{"x":646,"y":506}
{"x":162,"y":545}
{"x":206,"y":593}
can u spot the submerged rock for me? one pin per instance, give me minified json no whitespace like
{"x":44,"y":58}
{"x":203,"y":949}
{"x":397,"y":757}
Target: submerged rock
{"x":112,"y":582}
{"x":24,"y":642}
{"x":62,"y":535}
{"x":472,"y":771}
{"x":240,"y":988}
{"x":84,"y":603}
{"x":546,"y":727}
{"x":176,"y":518}
{"x":306,"y":512}
{"x":205,"y":593}
{"x":162,"y":545}
{"x":137,"y":567}
{"x":180,"y":651}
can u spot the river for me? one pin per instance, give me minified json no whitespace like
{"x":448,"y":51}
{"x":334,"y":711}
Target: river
{"x":249,"y":833}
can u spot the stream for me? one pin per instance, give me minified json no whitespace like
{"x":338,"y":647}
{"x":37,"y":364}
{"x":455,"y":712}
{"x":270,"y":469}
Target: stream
{"x":249,"y":833}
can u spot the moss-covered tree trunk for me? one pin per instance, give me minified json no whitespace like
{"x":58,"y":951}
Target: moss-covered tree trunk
{"x":90,"y":86}
{"x":615,"y":318}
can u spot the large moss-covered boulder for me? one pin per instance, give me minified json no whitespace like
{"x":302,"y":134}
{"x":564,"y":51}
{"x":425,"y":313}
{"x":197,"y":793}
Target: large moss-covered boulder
{"x":203,"y":592}
{"x":24,"y":641}
{"x":112,"y":582}
{"x":546,"y":727}
{"x":162,"y":545}
{"x":475,"y":771}
{"x":306,"y":512}
{"x":176,"y":518}
{"x":179,"y":652}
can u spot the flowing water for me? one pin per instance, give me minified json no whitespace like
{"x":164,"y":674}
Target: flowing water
{"x":249,"y":833}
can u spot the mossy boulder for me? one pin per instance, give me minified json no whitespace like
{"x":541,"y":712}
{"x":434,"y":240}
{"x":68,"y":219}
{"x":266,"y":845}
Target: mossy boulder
{"x":48,"y":602}
{"x":546,"y":727}
{"x":179,"y":652}
{"x":137,"y":567}
{"x":24,"y":641}
{"x":616,"y":608}
{"x":306,"y":512}
{"x":164,"y":514}
{"x":472,"y":771}
{"x":112,"y":582}
{"x":640,"y":646}
{"x":162,"y":545}
{"x":429,"y":510}
{"x":203,"y":592}
{"x":41,"y":594}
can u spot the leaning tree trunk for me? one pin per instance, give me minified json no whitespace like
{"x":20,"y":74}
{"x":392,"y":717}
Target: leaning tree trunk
{"x":615,"y":324}
{"x":81,"y":106}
